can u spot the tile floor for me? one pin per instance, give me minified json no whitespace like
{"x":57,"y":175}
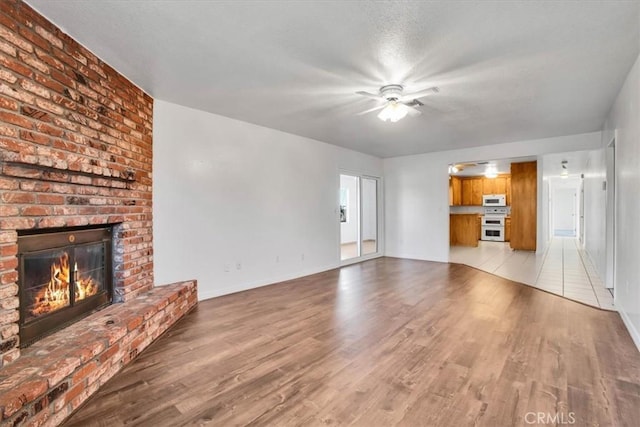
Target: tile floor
{"x":564,"y":269}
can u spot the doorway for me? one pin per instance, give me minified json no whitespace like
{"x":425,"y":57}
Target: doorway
{"x":564,"y":212}
{"x":358,"y":216}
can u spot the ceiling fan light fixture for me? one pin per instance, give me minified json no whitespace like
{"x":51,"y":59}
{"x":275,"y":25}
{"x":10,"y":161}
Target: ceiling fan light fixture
{"x":393,"y":111}
{"x":491,"y":171}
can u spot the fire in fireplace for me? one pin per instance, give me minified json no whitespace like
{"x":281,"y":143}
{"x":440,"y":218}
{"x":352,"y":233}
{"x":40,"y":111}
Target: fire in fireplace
{"x":63,"y":276}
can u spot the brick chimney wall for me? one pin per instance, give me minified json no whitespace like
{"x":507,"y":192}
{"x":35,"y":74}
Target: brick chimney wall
{"x":75,"y":149}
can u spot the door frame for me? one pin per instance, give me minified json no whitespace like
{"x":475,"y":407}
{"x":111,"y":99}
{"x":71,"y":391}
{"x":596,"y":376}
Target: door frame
{"x":581,"y":212}
{"x":379,"y":217}
{"x":610,"y":214}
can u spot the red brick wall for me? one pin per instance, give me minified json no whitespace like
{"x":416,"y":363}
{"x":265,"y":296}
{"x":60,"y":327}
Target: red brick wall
{"x":75,"y":149}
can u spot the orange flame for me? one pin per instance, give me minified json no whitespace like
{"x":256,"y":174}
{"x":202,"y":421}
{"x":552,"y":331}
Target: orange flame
{"x":55,"y":295}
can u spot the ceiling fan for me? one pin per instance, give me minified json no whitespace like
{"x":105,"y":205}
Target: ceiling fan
{"x":396,"y":104}
{"x":459,"y":167}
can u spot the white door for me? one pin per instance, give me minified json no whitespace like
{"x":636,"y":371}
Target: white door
{"x":358,"y":216}
{"x":349,"y":217}
{"x":564,"y":212}
{"x":369,"y":241}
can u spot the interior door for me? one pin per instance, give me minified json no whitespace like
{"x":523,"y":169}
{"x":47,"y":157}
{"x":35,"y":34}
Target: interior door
{"x":358,"y":216}
{"x":349,"y":217}
{"x":564,"y":212}
{"x":369,"y":203}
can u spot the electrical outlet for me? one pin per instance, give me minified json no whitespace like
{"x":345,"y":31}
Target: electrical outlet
{"x":227,"y":267}
{"x":238,"y":266}
{"x":277,"y":258}
{"x":302,"y":257}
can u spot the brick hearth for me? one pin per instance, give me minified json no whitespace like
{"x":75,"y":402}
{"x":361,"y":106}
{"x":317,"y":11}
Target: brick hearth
{"x":56,"y":375}
{"x":75,"y":150}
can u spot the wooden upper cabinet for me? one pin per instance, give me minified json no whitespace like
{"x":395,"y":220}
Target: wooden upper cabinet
{"x":500,"y":185}
{"x":455,"y":191}
{"x":494,"y":185}
{"x":476,"y":189}
{"x":488,"y":186}
{"x":508,"y":190}
{"x":524,"y":201}
{"x":468,"y":191}
{"x":471,"y":191}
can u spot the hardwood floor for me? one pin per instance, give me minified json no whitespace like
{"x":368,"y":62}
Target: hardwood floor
{"x":381,"y":343}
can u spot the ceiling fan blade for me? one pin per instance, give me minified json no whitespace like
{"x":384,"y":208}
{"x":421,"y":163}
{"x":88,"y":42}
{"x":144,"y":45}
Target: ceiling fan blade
{"x":421,"y":94}
{"x":379,"y":107}
{"x":368,"y":95}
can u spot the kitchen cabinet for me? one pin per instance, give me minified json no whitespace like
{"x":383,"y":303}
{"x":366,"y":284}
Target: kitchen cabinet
{"x":471,"y":189}
{"x":507,"y":229}
{"x":476,"y":190}
{"x":455,"y":191}
{"x":499,"y":185}
{"x":488,"y":186}
{"x":496,"y":185}
{"x":464,"y":229}
{"x":524,"y":187}
{"x":468,"y":190}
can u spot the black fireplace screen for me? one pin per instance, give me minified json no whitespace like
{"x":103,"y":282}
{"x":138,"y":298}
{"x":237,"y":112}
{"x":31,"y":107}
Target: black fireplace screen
{"x":63,"y":276}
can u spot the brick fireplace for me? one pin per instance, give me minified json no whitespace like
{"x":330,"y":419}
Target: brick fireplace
{"x":75,"y":141}
{"x":75,"y":154}
{"x":63,"y":276}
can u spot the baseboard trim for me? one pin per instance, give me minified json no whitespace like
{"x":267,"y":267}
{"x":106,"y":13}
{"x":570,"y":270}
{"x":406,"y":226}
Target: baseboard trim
{"x":635,"y":336}
{"x":212,"y":293}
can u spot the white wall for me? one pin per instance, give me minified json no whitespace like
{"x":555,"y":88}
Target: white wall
{"x":624,"y":120}
{"x":595,"y":203}
{"x":349,"y":229}
{"x":544,"y":218}
{"x":417,"y":192}
{"x":542,"y":232}
{"x":229,"y":193}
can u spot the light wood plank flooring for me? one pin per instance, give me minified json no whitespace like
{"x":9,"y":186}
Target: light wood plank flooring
{"x":381,"y":343}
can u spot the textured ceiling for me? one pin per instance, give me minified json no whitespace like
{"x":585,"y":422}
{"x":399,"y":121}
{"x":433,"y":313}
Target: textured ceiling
{"x":507,"y":71}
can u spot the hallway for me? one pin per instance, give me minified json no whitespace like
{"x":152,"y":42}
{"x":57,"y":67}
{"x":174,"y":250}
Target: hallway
{"x":564,"y":269}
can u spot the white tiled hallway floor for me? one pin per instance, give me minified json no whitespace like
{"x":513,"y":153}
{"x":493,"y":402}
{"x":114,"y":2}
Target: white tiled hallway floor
{"x":563,"y":270}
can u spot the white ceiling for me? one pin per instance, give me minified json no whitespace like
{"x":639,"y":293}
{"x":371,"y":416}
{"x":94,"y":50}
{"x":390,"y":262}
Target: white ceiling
{"x":507,"y":71}
{"x":576,"y":163}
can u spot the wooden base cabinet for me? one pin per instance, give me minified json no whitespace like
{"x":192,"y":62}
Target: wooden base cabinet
{"x":464,"y":229}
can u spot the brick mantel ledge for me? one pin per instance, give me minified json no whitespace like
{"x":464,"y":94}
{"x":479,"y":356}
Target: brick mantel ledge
{"x":54,"y":376}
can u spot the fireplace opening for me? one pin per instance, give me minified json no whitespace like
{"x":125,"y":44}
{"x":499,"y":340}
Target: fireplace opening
{"x":63,"y":276}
